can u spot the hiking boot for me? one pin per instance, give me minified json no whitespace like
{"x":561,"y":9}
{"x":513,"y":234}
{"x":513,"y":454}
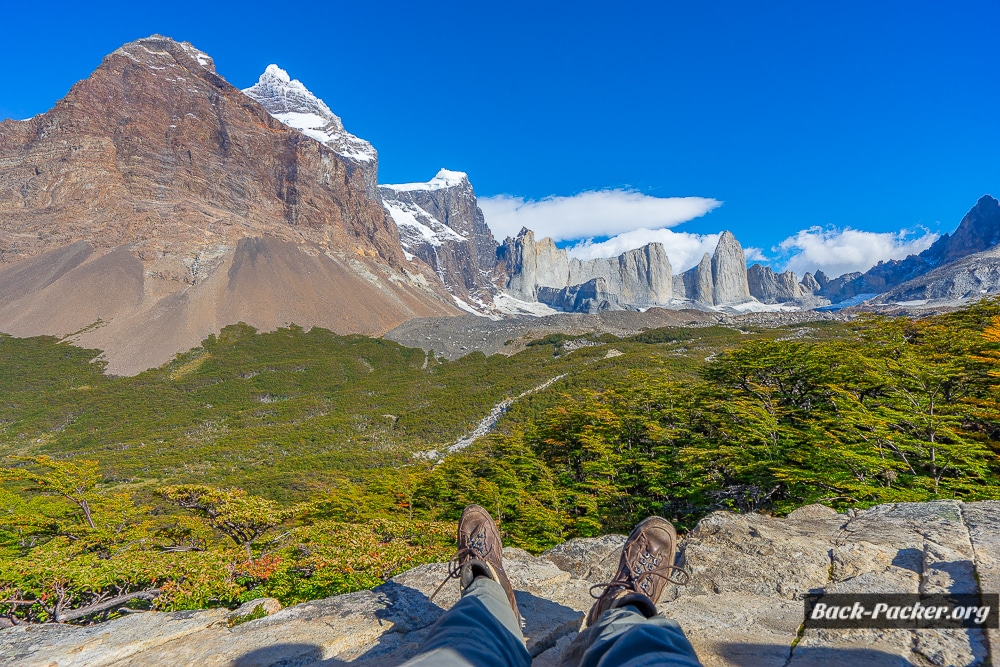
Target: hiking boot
{"x":644,"y":571}
{"x":480,"y":553}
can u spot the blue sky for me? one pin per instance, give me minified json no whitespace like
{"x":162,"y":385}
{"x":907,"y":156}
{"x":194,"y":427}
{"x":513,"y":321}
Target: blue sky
{"x":879,"y":117}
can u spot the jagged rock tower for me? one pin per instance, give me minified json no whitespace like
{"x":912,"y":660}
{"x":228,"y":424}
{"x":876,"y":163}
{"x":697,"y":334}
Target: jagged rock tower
{"x":539,"y":271}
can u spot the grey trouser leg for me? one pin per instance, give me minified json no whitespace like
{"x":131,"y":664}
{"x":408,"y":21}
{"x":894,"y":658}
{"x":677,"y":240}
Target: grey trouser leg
{"x":623,"y":637}
{"x":479,"y":631}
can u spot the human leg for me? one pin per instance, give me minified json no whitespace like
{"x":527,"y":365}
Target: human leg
{"x":483,"y":629}
{"x":623,"y":627}
{"x":625,"y":637}
{"x":479,"y":631}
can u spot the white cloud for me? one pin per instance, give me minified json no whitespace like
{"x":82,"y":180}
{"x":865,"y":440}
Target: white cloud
{"x":590,"y":214}
{"x":838,"y":251}
{"x":683,"y":248}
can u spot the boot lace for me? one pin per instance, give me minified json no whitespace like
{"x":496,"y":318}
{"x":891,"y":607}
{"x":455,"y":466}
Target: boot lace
{"x":476,"y":549}
{"x":629,"y":579}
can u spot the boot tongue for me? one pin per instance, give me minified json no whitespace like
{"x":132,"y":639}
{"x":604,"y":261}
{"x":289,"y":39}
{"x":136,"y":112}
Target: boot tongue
{"x":476,"y":568}
{"x":637,"y":600}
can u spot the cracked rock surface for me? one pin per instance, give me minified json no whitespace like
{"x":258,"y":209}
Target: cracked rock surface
{"x":742,"y":607}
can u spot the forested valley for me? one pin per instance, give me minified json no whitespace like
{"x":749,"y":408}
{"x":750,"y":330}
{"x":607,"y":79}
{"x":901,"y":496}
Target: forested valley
{"x":300,"y":464}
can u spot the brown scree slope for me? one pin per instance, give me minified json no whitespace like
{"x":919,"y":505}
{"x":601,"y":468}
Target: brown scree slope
{"x":156,"y":203}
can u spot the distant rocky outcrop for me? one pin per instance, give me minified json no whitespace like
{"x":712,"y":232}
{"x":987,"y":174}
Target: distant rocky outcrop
{"x":729,"y":272}
{"x":979,"y":231}
{"x":844,"y":286}
{"x":696,"y":283}
{"x":809,"y":284}
{"x":769,"y":287}
{"x":441,"y":223}
{"x":742,"y":606}
{"x":592,"y":296}
{"x":719,"y":279}
{"x":783,"y":288}
{"x":638,"y":278}
{"x":963,"y":279}
{"x":523,"y":265}
{"x":540,"y":271}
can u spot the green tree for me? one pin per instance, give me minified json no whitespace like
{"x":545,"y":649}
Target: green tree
{"x":756,"y":409}
{"x":75,"y":481}
{"x":233,"y":512}
{"x":913,"y":405}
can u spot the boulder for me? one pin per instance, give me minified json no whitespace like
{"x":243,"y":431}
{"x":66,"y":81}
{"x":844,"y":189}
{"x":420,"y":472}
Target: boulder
{"x":594,"y":559}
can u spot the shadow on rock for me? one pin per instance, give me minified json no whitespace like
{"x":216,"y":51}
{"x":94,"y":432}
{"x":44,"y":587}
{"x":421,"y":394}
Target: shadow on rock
{"x":407,"y":617}
{"x":282,"y":655}
{"x":545,"y":621}
{"x":910,"y":559}
{"x":750,"y":655}
{"x":399,"y":619}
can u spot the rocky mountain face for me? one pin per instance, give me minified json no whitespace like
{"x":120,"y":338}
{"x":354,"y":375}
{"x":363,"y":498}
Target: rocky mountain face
{"x":809,"y":284}
{"x":979,"y":231}
{"x":291,"y":103}
{"x":539,"y":271}
{"x":593,"y":296}
{"x":441,"y":223}
{"x":742,"y":606}
{"x":695,"y":284}
{"x":438,"y":221}
{"x":729,"y":272}
{"x":638,"y":278}
{"x":769,"y":287}
{"x":962,"y":279}
{"x":156,"y":202}
{"x":719,"y":279}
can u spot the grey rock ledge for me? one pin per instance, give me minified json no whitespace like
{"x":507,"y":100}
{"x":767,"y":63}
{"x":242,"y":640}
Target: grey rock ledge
{"x":742,"y":606}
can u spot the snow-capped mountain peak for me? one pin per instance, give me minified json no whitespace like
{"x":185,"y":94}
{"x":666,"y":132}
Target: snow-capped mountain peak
{"x":445,"y":178}
{"x":289,"y":101}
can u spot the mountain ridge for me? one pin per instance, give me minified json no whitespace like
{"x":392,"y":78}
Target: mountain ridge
{"x":167,"y":173}
{"x":441,"y":223}
{"x":978,"y":231}
{"x":134,"y":213}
